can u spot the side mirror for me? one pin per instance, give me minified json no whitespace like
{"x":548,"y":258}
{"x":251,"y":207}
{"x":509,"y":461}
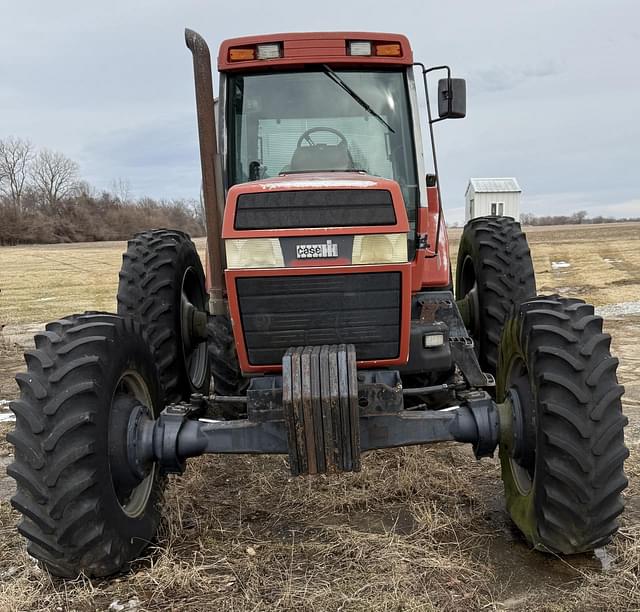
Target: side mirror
{"x":452,"y":98}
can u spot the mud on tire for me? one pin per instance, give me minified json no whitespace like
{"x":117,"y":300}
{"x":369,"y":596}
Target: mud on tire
{"x":494,"y":267}
{"x":158,"y":267}
{"x":564,"y":475}
{"x":84,"y":376}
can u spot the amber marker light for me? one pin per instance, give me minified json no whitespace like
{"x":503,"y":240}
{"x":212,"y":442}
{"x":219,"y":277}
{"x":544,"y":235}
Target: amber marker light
{"x":242,"y":54}
{"x":388,"y":49}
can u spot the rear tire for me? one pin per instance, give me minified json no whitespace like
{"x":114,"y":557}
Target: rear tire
{"x":81,"y":511}
{"x":159,"y":270}
{"x":562,"y":463}
{"x":495,"y":273}
{"x":223,"y":358}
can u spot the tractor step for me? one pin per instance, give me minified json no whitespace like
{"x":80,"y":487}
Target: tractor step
{"x":320,"y":406}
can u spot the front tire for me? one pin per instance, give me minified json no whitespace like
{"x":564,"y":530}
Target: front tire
{"x":562,"y":450}
{"x":82,"y":511}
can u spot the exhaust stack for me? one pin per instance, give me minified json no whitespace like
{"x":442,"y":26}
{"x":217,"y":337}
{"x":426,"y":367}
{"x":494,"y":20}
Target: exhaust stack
{"x":211,"y":172}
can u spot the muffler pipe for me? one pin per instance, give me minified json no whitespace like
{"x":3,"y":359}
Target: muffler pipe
{"x":212,"y":194}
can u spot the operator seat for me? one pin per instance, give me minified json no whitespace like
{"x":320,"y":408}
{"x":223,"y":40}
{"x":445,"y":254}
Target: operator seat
{"x":320,"y":157}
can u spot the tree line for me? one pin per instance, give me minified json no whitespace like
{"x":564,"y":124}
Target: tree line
{"x":577,"y":218}
{"x":43,"y":199}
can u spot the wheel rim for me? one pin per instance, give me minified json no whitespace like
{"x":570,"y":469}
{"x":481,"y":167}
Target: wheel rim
{"x":194,"y":349}
{"x":522,"y":454}
{"x":133,"y":500}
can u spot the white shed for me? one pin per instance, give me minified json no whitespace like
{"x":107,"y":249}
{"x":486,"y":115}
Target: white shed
{"x":492,"y":196}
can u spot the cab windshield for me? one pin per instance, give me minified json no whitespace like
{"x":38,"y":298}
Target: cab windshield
{"x":321,"y":120}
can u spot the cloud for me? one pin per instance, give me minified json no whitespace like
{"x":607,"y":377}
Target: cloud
{"x":159,"y":157}
{"x":628,"y":208}
{"x":550,"y":97}
{"x":504,"y":78}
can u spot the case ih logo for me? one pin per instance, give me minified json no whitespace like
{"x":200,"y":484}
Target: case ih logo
{"x":317,"y":251}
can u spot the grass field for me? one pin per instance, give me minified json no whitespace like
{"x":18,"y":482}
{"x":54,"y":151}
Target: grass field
{"x":417,"y":529}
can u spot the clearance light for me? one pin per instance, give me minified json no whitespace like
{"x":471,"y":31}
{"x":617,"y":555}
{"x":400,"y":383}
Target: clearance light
{"x":379,"y":249}
{"x":271,"y":51}
{"x":254,"y":253}
{"x":388,"y":49}
{"x":242,"y":54}
{"x":360,"y":47}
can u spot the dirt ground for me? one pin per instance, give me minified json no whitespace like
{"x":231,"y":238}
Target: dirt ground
{"x":417,"y":529}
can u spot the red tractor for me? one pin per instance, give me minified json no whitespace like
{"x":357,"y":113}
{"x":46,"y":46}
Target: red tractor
{"x":326,"y":324}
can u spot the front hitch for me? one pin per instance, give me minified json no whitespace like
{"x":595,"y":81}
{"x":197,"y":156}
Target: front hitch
{"x":325,"y":420}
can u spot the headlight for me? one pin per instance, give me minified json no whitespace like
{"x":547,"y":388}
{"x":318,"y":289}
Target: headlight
{"x":379,"y":248}
{"x":267,"y":253}
{"x":254,"y":253}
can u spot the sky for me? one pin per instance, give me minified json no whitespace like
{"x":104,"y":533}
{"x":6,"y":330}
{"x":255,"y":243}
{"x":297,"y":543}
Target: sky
{"x":553,"y":88}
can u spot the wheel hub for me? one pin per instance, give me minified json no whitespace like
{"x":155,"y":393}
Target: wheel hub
{"x":132,"y":482}
{"x":519,"y":437}
{"x":469,"y":308}
{"x":193,"y":322}
{"x":193,"y":328}
{"x":124,"y":476}
{"x":520,"y":448}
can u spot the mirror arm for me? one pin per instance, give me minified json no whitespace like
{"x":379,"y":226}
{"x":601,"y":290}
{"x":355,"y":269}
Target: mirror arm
{"x":431,"y":121}
{"x":425,"y":71}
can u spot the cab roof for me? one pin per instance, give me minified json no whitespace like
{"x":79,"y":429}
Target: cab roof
{"x":314,"y":48}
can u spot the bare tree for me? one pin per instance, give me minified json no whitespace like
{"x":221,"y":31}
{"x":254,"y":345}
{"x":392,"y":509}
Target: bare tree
{"x":54,"y":175}
{"x":16,"y":157}
{"x":121,"y":189}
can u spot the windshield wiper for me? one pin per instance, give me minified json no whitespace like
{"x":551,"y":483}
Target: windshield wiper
{"x":336,"y":79}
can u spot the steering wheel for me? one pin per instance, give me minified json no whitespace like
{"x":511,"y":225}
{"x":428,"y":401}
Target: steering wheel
{"x":307,"y":136}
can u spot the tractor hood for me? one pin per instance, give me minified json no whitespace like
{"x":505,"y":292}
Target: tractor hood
{"x":324,"y":180}
{"x":315,"y":203}
{"x":318,"y":258}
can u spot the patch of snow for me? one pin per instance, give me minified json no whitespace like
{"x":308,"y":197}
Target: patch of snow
{"x":619,"y":309}
{"x":557,"y":265}
{"x":6,"y":415}
{"x":605,"y":558}
{"x":612,"y":260}
{"x":116,"y":606}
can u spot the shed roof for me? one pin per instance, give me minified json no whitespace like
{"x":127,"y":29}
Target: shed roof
{"x":492,"y":185}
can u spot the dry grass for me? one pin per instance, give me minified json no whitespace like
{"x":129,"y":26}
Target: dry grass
{"x":417,"y":529}
{"x":240,"y":534}
{"x":604,"y":260}
{"x":44,"y":281}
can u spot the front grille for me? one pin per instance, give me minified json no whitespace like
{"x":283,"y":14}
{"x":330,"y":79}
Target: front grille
{"x":314,"y":208}
{"x":282,"y":311}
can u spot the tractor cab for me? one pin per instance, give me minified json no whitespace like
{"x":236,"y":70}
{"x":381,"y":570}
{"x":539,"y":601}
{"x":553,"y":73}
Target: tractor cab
{"x":324,"y":201}
{"x":309,"y":103}
{"x":310,"y":119}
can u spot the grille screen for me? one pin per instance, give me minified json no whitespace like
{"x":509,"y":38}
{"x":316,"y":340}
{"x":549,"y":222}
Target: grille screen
{"x":314,"y":208}
{"x":282,"y":311}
